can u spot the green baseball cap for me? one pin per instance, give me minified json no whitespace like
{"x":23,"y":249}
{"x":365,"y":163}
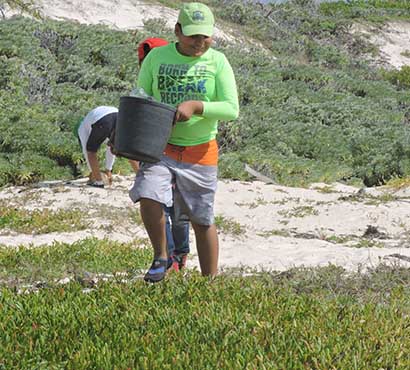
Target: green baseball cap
{"x":196,"y":19}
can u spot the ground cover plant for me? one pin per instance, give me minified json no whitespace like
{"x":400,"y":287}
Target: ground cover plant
{"x":62,"y":260}
{"x":40,"y":221}
{"x":374,"y":10}
{"x":319,"y":318}
{"x":313,"y":108}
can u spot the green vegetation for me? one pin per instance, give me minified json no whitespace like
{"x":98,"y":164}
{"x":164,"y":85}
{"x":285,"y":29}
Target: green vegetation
{"x":274,"y":232}
{"x":325,"y":189}
{"x":299,"y":211}
{"x":374,"y":10}
{"x":302,"y":318}
{"x":406,"y":53}
{"x":318,"y":109}
{"x":370,"y":199}
{"x":40,"y":221}
{"x":368,"y":243}
{"x":399,"y":183}
{"x":319,"y":112}
{"x":400,"y":78}
{"x":229,"y":226}
{"x":339,"y":239}
{"x":52,"y":74}
{"x":62,"y":260}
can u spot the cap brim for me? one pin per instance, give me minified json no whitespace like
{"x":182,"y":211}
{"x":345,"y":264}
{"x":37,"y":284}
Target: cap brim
{"x":195,"y":29}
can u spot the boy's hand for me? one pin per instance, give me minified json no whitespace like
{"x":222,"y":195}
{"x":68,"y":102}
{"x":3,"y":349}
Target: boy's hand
{"x":187,"y":109}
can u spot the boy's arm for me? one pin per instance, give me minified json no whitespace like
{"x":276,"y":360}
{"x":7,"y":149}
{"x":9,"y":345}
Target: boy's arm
{"x":227,"y":106}
{"x":187,"y":109}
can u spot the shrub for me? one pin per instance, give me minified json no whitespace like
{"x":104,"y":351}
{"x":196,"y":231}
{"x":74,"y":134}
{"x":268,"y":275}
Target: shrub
{"x":315,"y":111}
{"x":400,"y":78}
{"x":52,"y":74}
{"x":25,"y":167}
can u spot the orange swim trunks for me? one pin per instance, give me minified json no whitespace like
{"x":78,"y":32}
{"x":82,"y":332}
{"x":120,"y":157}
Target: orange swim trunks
{"x":204,"y":154}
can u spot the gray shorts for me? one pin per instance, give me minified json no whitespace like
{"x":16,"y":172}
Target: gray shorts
{"x":189,"y":187}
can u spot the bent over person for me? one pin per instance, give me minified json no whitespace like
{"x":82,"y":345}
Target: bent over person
{"x":200,"y":83}
{"x":94,"y":129}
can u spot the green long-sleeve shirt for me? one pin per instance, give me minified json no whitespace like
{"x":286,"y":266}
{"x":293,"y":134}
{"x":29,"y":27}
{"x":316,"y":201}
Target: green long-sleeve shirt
{"x":173,"y":78}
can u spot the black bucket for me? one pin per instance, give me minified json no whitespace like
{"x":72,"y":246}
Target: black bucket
{"x":143,"y":128}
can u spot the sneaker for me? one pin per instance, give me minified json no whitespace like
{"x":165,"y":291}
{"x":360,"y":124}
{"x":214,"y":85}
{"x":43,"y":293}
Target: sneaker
{"x":179,"y":261}
{"x":157,"y":271}
{"x":95,"y":183}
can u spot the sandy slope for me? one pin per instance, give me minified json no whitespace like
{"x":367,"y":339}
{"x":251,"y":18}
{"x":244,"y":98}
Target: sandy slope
{"x":279,"y":227}
{"x":392,"y":39}
{"x":117,"y":14}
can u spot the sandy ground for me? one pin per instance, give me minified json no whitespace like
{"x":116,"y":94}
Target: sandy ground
{"x":394,"y":43}
{"x":392,"y":40}
{"x":117,"y":14}
{"x":263,"y":226}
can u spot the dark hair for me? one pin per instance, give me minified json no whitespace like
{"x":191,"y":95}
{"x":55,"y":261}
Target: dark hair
{"x":147,"y":49}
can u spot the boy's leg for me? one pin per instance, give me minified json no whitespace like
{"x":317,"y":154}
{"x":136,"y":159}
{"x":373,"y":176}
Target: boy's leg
{"x":83,"y":133}
{"x":194,"y":197}
{"x":100,"y":130}
{"x":168,"y":232}
{"x":196,"y":169}
{"x":95,"y":166}
{"x":180,"y":234}
{"x":179,"y":231}
{"x":153,"y":189}
{"x":154,"y":221}
{"x":208,"y":248}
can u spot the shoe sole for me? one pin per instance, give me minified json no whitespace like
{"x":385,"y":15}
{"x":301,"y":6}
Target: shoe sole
{"x":149,"y":280}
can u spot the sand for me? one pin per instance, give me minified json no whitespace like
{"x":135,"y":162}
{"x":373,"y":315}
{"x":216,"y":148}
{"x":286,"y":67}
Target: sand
{"x":267,"y":227}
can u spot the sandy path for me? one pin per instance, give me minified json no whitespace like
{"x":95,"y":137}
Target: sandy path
{"x":262,"y":226}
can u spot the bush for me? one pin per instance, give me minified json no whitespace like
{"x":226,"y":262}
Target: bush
{"x":52,"y":74}
{"x":374,"y":10}
{"x":26,"y":167}
{"x":400,"y":78}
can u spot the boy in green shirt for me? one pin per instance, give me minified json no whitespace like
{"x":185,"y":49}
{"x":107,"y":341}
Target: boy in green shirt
{"x":200,"y":83}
